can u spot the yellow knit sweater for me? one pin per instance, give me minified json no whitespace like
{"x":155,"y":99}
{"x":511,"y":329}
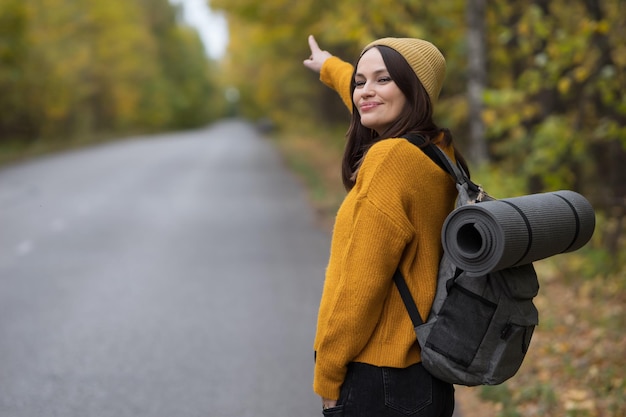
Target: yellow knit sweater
{"x":394,"y":214}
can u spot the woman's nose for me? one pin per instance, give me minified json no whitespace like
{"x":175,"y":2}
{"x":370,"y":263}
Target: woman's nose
{"x":367,"y":90}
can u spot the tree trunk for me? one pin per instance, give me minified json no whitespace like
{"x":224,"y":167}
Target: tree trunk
{"x":477,"y":78}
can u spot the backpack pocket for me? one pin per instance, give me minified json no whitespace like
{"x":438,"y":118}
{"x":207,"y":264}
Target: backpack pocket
{"x":508,"y":352}
{"x":519,"y":282}
{"x":461,"y":325}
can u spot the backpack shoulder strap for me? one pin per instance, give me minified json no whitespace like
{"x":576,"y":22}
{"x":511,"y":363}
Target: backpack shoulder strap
{"x":440,"y":158}
{"x":463,"y":184}
{"x":409,"y":303}
{"x":430,"y":150}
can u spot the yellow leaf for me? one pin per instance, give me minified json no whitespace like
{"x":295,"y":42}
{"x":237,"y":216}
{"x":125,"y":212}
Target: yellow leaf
{"x":603,"y":27}
{"x":489,"y":116}
{"x":564,"y":85}
{"x":581,"y":73}
{"x":576,"y":395}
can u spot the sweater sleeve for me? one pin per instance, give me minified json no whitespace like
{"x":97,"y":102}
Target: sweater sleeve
{"x":370,"y":254}
{"x":356,"y":304}
{"x":337,"y":74}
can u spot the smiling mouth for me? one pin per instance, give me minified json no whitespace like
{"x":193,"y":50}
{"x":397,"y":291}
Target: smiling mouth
{"x":368,"y":106}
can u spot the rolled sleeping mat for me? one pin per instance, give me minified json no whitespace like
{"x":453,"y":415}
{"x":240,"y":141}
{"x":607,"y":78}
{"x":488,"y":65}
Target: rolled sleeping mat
{"x":493,"y":235}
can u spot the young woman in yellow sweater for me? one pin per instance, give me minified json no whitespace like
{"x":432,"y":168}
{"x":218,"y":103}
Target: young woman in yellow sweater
{"x":367,"y":356}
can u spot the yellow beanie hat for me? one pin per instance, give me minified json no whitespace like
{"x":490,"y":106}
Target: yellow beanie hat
{"x":425,"y":59}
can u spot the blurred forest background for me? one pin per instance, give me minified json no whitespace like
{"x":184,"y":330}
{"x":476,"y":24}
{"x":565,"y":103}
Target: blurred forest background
{"x":76,"y":68}
{"x":534,"y":95}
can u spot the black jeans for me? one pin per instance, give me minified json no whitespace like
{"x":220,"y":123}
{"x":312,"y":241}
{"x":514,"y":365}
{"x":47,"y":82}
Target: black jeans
{"x":392,"y":392}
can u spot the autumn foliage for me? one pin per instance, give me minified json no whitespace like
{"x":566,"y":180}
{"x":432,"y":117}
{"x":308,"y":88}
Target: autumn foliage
{"x":76,"y":67}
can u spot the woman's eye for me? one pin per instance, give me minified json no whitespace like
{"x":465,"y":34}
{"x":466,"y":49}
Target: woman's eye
{"x":381,"y":80}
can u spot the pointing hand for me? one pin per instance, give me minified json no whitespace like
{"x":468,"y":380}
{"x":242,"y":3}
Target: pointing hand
{"x":317,"y":58}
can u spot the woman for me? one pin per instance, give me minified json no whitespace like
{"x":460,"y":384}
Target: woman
{"x":367,"y":356}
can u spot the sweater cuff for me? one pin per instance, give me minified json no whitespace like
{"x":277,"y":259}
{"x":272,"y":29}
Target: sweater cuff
{"x":325,"y":386}
{"x":331,"y":68}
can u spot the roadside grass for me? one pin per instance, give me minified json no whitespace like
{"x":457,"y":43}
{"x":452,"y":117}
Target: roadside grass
{"x":14,"y":150}
{"x":576,"y":365}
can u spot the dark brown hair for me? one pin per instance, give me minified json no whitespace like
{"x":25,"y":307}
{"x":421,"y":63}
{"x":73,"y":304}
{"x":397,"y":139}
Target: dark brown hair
{"x":416,"y":117}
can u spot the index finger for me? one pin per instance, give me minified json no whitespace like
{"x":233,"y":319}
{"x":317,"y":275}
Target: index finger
{"x":313,"y":44}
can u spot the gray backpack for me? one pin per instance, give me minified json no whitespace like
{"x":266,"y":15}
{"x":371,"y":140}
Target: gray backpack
{"x":479,"y":328}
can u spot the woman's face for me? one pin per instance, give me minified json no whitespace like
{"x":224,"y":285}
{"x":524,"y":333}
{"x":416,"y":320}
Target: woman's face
{"x":376,"y":96}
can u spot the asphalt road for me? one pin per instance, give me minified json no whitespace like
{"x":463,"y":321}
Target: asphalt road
{"x":168,"y":276}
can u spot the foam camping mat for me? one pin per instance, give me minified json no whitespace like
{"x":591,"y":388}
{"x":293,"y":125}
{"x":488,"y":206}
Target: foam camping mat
{"x":493,"y":235}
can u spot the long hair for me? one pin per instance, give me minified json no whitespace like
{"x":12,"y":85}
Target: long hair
{"x":416,"y":117}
